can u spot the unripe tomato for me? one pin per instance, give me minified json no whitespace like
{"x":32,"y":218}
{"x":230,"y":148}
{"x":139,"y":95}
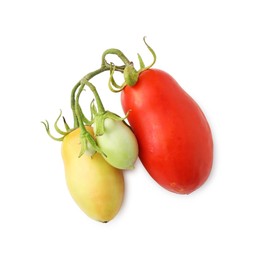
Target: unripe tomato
{"x":118,"y":143}
{"x":174,"y":137}
{"x":96,"y":186}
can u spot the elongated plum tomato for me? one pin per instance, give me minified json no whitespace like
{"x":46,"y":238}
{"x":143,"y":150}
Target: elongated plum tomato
{"x":96,"y":186}
{"x":118,"y":143}
{"x":174,"y":137}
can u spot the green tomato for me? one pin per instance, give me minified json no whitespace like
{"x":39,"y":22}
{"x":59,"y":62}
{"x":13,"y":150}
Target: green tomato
{"x":118,"y":144}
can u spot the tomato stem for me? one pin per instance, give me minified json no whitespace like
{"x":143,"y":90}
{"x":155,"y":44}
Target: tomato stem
{"x":113,"y":86}
{"x":119,"y":54}
{"x":73,"y":92}
{"x":131,"y":76}
{"x":86,"y":138}
{"x":100,"y":106}
{"x":75,"y":88}
{"x":104,"y":67}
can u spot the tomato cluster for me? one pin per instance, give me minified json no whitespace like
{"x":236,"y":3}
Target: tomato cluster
{"x":168,"y":131}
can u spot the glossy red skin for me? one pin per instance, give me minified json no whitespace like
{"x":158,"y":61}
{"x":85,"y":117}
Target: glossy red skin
{"x":174,"y":137}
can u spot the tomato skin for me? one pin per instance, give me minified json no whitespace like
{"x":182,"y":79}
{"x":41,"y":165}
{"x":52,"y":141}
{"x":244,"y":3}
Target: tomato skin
{"x":96,"y":186}
{"x":174,"y":137}
{"x":119,"y":144}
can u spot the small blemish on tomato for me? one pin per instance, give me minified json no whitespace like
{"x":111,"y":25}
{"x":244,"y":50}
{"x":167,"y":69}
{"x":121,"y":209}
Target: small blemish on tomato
{"x":176,"y":187}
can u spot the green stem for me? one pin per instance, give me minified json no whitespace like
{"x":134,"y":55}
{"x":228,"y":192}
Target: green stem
{"x":75,"y":88}
{"x":85,"y":136}
{"x":85,"y":81}
{"x":72,"y":101}
{"x":116,"y":52}
{"x":105,"y":66}
{"x":77,"y":108}
{"x":100,"y":106}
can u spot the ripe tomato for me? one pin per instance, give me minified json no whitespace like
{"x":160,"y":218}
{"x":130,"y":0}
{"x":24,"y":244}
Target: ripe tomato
{"x":95,"y":185}
{"x":175,"y":141}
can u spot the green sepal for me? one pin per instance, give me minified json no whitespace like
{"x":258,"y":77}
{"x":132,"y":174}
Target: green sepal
{"x":93,"y":110}
{"x":66,"y":125}
{"x":47,"y":128}
{"x":153,"y":54}
{"x":88,"y":144}
{"x":131,"y":75}
{"x":58,"y":130}
{"x":99,"y":121}
{"x":141,"y":62}
{"x":115,"y":117}
{"x":99,"y":125}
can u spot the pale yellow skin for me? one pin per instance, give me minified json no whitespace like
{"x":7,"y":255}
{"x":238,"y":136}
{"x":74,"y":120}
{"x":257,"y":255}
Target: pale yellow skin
{"x":96,"y":186}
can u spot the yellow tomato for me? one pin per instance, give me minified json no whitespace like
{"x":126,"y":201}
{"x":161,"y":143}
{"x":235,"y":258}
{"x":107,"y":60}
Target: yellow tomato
{"x":96,"y":186}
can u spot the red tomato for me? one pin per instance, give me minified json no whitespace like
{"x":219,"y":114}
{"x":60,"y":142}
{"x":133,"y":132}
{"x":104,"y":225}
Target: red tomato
{"x":174,"y":137}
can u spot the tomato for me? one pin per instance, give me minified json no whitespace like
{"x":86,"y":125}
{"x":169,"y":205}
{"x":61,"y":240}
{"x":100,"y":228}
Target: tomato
{"x":96,"y":186}
{"x":118,"y":143}
{"x":174,"y":137}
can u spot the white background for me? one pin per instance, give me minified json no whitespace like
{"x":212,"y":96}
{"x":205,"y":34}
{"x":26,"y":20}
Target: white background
{"x":210,"y":47}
